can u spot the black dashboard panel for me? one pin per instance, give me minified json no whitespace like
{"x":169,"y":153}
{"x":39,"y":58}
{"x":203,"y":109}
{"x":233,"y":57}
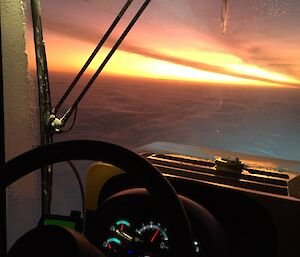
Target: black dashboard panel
{"x":248,"y":226}
{"x":256,"y":223}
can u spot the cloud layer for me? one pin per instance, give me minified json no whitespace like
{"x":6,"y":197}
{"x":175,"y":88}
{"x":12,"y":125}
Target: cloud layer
{"x":254,"y":34}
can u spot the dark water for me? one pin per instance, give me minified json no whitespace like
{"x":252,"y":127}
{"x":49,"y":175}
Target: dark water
{"x":255,"y":120}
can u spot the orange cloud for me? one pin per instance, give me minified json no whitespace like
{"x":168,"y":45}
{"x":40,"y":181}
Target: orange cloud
{"x":69,"y":54}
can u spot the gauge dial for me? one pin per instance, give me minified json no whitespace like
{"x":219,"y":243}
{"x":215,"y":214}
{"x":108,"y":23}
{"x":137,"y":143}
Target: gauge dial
{"x":120,"y":225}
{"x":112,"y":244}
{"x":154,"y":238}
{"x":122,"y":229}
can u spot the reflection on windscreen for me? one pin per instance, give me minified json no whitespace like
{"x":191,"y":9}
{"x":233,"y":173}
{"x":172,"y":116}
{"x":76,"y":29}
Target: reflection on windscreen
{"x":178,"y":77}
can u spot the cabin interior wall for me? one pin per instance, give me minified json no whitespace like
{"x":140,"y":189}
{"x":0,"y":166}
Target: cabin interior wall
{"x":21,"y":118}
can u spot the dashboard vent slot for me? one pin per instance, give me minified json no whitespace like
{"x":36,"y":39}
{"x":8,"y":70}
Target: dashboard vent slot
{"x":259,"y":179}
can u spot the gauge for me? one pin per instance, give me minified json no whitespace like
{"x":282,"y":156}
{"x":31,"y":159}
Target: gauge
{"x":120,"y":226}
{"x":112,"y":244}
{"x":154,"y":238}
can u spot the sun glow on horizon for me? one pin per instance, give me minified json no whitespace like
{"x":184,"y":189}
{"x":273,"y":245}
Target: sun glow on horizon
{"x":71,"y":58}
{"x":231,"y":63}
{"x":170,"y":71}
{"x":261,"y":73}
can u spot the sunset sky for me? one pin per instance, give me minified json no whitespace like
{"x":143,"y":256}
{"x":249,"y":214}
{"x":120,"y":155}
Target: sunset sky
{"x":180,"y":40}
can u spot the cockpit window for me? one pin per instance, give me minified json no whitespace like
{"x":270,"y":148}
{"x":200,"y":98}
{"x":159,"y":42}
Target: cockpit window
{"x":212,"y":73}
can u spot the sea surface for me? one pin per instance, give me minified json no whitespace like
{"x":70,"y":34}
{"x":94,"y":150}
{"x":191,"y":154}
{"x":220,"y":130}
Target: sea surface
{"x":134,"y":112}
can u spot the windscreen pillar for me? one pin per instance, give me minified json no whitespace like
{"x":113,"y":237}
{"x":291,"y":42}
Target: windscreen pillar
{"x":21,"y":126}
{"x":3,"y":241}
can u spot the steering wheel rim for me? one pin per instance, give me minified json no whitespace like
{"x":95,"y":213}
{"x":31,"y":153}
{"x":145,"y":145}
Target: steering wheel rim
{"x":136,"y":166}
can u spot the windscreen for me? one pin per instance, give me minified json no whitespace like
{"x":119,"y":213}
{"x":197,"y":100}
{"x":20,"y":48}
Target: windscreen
{"x":220,"y":74}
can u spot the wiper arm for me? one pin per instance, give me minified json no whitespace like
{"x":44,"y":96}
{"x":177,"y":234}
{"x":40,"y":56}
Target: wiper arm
{"x":90,"y":59}
{"x":58,"y":123}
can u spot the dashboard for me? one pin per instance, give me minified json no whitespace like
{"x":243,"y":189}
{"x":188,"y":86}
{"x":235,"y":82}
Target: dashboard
{"x":225,"y":220}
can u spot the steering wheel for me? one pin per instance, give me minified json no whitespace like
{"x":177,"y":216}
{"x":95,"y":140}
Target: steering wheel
{"x":136,"y":166}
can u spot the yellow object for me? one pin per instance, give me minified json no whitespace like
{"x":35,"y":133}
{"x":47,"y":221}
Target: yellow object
{"x":96,"y":177}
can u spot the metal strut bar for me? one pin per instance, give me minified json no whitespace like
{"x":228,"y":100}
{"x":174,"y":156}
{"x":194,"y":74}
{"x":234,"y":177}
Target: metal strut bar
{"x":44,"y":101}
{"x":57,"y":123}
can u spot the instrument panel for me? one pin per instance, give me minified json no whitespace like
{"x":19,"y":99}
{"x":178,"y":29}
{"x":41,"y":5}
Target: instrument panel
{"x":130,"y":224}
{"x":145,"y":237}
